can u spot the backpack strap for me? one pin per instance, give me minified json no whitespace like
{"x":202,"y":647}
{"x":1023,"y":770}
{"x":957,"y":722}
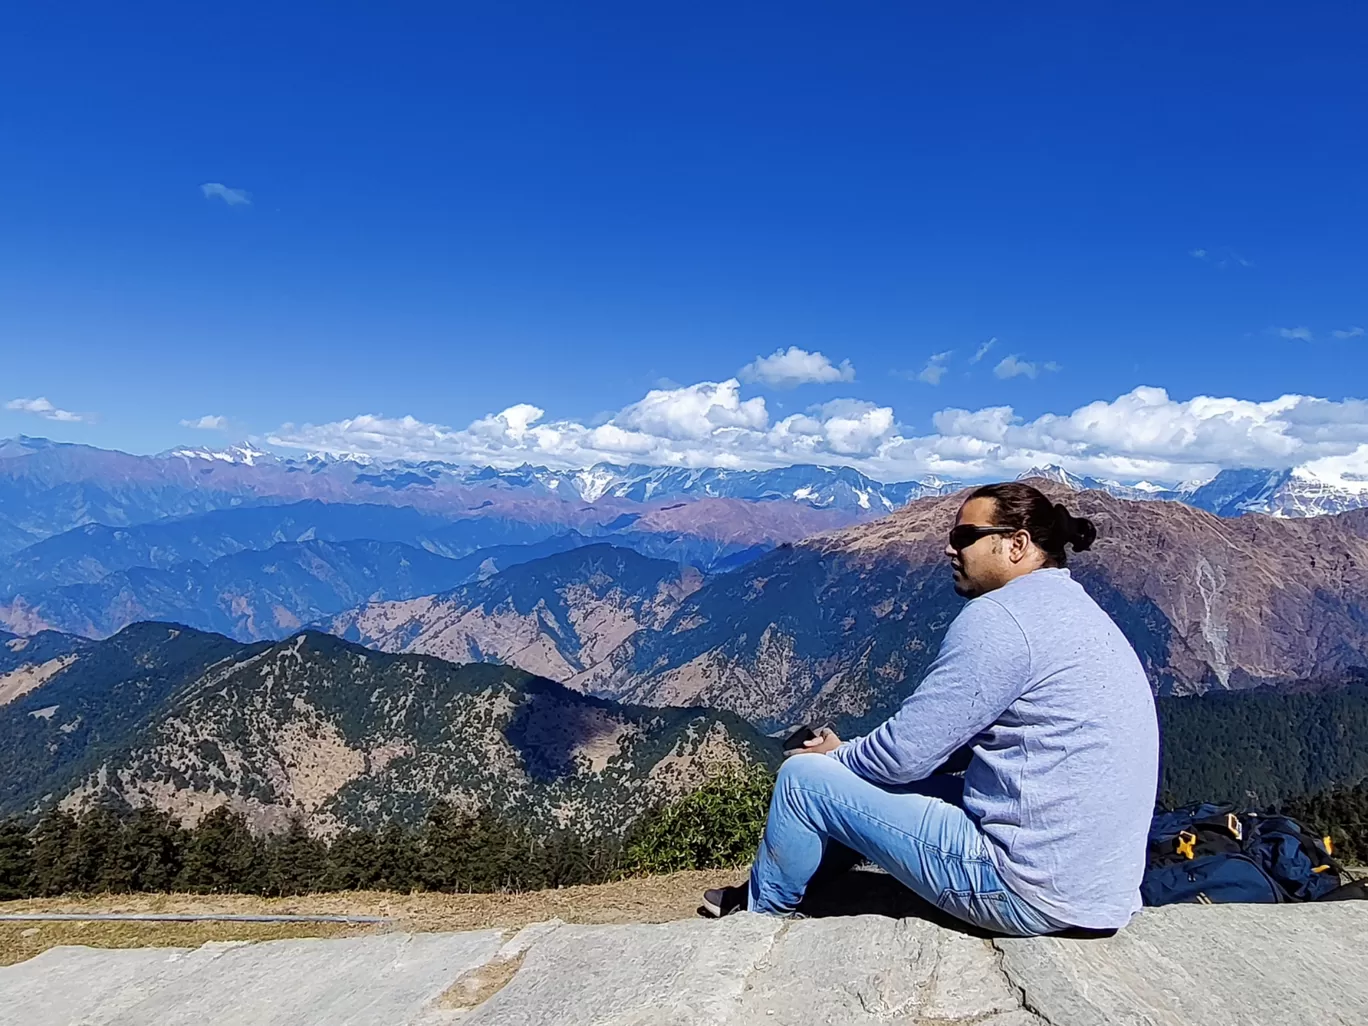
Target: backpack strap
{"x":1354,"y":890}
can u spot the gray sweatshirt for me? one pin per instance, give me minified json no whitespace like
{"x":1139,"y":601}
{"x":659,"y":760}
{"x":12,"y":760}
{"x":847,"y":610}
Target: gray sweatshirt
{"x":1050,"y":694}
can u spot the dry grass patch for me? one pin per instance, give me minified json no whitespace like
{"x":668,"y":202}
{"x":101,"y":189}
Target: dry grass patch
{"x":478,"y":986}
{"x":20,"y":941}
{"x":654,"y":899}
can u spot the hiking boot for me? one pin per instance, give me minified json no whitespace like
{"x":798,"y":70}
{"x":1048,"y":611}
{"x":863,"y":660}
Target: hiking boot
{"x":723,"y":901}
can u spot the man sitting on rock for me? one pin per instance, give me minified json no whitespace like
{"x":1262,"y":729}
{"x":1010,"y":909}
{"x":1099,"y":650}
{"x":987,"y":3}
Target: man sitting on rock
{"x":1048,"y":830}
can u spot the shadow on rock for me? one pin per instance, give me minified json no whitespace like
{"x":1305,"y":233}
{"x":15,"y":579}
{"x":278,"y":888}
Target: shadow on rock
{"x":863,"y":892}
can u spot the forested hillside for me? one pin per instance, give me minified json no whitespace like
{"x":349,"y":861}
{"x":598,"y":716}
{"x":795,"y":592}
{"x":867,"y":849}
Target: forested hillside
{"x":1260,"y":748}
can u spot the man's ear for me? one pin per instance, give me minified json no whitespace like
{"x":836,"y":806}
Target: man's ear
{"x":1021,"y":544}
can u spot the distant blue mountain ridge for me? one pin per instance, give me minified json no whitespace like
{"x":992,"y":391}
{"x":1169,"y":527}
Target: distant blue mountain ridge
{"x":48,"y":487}
{"x":251,"y":543}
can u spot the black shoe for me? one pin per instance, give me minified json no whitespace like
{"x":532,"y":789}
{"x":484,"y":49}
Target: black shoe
{"x":723,"y":901}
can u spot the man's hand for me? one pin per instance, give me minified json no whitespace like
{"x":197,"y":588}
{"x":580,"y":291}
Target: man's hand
{"x":825,"y":741}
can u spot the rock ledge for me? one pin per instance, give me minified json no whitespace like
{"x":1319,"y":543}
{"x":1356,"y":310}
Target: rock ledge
{"x":1212,"y":965}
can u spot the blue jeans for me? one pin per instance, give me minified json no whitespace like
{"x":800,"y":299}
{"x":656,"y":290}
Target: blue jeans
{"x":920,"y":834}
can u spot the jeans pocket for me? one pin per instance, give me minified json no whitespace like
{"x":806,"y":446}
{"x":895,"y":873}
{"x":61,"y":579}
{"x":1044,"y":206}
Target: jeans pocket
{"x":991,"y":910}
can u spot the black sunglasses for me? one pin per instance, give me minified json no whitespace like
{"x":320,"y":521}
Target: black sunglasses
{"x":964,"y":535}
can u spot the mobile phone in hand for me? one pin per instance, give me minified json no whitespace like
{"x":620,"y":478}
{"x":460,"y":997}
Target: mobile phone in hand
{"x":798,"y":738}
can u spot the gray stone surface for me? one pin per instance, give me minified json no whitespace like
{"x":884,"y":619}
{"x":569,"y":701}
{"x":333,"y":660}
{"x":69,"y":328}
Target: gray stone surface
{"x":360,"y":980}
{"x":1218,"y":965}
{"x":1215,"y":965}
{"x":868,"y":969}
{"x":70,"y":985}
{"x":670,"y":974}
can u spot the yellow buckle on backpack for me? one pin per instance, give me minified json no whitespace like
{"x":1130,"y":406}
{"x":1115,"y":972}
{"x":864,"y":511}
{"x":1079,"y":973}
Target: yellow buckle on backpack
{"x":1186,"y":844}
{"x":1329,"y":845}
{"x":1234,"y":826}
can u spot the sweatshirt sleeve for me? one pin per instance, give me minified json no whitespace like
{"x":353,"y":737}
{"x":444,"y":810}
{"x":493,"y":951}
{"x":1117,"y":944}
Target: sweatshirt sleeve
{"x":983,"y":666}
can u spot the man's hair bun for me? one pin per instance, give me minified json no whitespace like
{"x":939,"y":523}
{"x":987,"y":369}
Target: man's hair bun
{"x":1023,"y":507}
{"x":1076,"y":531}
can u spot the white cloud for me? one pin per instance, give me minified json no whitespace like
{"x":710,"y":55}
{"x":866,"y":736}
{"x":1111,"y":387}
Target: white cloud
{"x":703,"y":425}
{"x":1012,"y":367}
{"x":788,"y":369}
{"x":850,"y":426}
{"x":1352,"y":332}
{"x":209,"y":422}
{"x":1222,"y":258}
{"x":1300,"y":334}
{"x":982,"y":350}
{"x":1143,"y":434}
{"x":935,"y":368}
{"x":44,"y":409}
{"x":233,"y":197}
{"x":694,"y":412}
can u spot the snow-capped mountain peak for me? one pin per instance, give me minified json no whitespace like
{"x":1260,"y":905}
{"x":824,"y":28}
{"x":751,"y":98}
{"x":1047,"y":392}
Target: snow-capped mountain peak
{"x":244,"y":453}
{"x":1138,"y":490}
{"x":1340,"y":473}
{"x":593,"y":484}
{"x":1327,"y":485}
{"x":1057,"y":474}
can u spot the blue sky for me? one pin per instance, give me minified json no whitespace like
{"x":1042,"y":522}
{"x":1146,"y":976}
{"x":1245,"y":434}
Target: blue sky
{"x":441,"y":212}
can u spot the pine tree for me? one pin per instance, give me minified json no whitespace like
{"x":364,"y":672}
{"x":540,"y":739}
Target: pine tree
{"x":399,"y":859}
{"x":223,"y":856}
{"x":98,"y":853}
{"x":153,"y":850}
{"x":16,"y":860}
{"x":54,"y":854}
{"x":354,"y":862}
{"x":566,"y":860}
{"x":296,"y":861}
{"x":443,"y":846}
{"x":491,"y":855}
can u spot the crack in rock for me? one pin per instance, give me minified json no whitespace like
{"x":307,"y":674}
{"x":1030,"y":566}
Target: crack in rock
{"x":1000,"y":965}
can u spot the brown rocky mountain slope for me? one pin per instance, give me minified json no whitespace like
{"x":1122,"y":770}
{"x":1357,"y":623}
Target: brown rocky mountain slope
{"x":559,"y":616}
{"x":843,"y":625}
{"x":337,"y":734}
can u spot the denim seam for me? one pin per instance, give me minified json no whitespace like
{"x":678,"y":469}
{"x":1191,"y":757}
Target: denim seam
{"x":998,"y":895}
{"x":980,"y":860}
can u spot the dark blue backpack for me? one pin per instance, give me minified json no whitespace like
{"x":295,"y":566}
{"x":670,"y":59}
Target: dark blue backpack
{"x":1210,"y":854}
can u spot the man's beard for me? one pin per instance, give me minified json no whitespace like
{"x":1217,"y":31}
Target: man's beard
{"x":964,"y":587}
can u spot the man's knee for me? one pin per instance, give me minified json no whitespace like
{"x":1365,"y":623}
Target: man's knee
{"x":798,"y":770}
{"x":809,"y":787}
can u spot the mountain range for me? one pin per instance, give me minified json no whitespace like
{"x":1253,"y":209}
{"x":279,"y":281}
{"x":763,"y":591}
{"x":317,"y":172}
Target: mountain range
{"x":618,"y":633}
{"x":47,"y":488}
{"x":1300,"y":491}
{"x":262,"y":571}
{"x":322,"y":731}
{"x":254,"y":594}
{"x":317,"y":728}
{"x":841,"y":626}
{"x":730,"y":588}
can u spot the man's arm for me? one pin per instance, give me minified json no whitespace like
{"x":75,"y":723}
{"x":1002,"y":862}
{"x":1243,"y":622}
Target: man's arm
{"x":983,"y":667}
